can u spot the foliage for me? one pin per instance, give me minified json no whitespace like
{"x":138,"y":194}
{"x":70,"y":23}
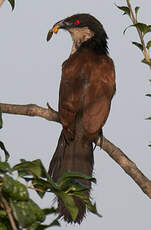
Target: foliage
{"x":12,"y":2}
{"x":143,"y":30}
{"x":18,"y":210}
{"x":25,"y":212}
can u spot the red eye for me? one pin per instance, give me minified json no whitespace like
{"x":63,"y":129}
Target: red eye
{"x":77,"y":22}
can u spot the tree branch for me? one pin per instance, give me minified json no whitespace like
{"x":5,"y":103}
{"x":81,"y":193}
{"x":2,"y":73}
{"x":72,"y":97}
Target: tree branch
{"x":128,"y":166}
{"x":113,"y":151}
{"x":134,"y":20}
{"x":8,"y":211}
{"x":31,"y":110}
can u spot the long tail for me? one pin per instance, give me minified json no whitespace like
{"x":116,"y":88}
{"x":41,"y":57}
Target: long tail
{"x":76,"y":156}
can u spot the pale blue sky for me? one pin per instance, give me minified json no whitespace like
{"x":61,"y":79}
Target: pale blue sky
{"x":30,"y":71}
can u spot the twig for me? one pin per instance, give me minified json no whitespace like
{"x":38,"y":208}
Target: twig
{"x":113,"y":151}
{"x":36,"y":189}
{"x":134,"y":20}
{"x":1,"y":2}
{"x":8,"y":211}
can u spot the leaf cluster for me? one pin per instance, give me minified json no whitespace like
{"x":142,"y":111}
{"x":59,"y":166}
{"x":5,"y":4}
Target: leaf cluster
{"x":14,"y":195}
{"x":142,"y":28}
{"x":27,"y":214}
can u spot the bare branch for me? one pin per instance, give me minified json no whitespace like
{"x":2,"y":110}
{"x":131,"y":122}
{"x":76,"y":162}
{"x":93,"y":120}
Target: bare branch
{"x":113,"y":151}
{"x":129,"y":166}
{"x":8,"y":211}
{"x":31,"y":110}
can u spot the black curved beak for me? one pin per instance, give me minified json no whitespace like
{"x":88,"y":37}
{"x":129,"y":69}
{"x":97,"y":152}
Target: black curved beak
{"x":59,"y":25}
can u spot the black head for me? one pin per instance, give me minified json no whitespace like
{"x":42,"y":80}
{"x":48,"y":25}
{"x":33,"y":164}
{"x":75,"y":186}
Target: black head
{"x":97,"y":42}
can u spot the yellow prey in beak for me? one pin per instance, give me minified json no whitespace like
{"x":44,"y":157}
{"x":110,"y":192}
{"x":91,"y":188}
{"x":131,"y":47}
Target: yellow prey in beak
{"x":53,"y":30}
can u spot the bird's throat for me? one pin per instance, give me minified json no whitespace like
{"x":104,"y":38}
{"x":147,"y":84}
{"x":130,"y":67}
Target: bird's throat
{"x":79,"y":35}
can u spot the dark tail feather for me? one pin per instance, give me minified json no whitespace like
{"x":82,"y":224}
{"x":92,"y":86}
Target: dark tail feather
{"x":57,"y":159}
{"x":76,"y":156}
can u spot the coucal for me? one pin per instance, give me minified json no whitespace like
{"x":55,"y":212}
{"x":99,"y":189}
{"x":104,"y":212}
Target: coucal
{"x":86,"y":90}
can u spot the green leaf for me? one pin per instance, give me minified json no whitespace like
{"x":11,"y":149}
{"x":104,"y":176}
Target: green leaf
{"x":23,"y":213}
{"x":69,"y":204}
{"x":37,"y":226}
{"x":48,"y":211}
{"x":34,"y":226}
{"x":148,"y":95}
{"x":4,"y":221}
{"x":5,"y":167}
{"x":54,"y":223}
{"x":149,"y":118}
{"x":67,"y":176}
{"x":45,"y":185}
{"x":2,"y":146}
{"x":136,"y":11}
{"x":148,"y":30}
{"x":141,"y":26}
{"x":35,"y":168}
{"x":139,"y":45}
{"x":3,"y":226}
{"x":14,"y":189}
{"x":3,"y":214}
{"x":37,"y":210}
{"x":91,"y":207}
{"x":1,"y":121}
{"x":127,"y":28}
{"x":12,"y":2}
{"x":27,"y":212}
{"x":148,"y":45}
{"x":75,"y":186}
{"x":125,"y":9}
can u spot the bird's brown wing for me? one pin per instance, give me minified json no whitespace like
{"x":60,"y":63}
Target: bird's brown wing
{"x":87,"y":85}
{"x":97,"y":99}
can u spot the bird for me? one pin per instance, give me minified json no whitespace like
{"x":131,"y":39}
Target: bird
{"x":86,"y":90}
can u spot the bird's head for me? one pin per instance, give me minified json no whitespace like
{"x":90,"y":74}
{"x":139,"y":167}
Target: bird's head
{"x":85,"y":30}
